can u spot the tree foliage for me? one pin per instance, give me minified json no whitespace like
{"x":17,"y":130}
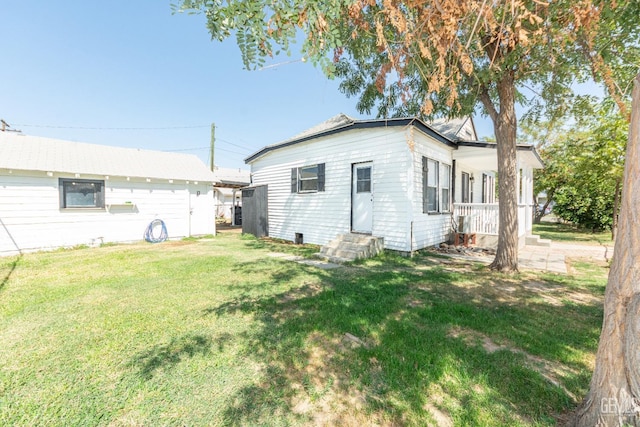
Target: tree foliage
{"x":584,"y":166}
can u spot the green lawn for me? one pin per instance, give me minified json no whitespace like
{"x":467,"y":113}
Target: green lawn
{"x":217,"y":332}
{"x":570,"y":233}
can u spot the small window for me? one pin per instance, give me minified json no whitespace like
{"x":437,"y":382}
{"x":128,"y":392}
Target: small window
{"x":445,"y":188}
{"x":431,"y":175}
{"x":81,"y":193}
{"x":307,"y":179}
{"x":363,"y":177}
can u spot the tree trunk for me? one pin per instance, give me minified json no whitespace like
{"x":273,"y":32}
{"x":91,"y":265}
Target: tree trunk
{"x":505,"y":127}
{"x":614,"y":395}
{"x":541,"y":212}
{"x":616,"y":209}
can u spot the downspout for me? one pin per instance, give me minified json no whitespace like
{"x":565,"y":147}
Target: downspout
{"x":410,"y":186}
{"x":453,"y":198}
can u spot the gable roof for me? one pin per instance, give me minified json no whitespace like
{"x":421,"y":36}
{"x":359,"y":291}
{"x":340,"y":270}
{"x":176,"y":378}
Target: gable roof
{"x":461,"y":128}
{"x":341,"y":123}
{"x":25,"y":152}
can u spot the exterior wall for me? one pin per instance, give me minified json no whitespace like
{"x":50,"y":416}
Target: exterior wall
{"x":428,"y":229}
{"x":31,"y":217}
{"x":321,"y":216}
{"x":397,"y":187}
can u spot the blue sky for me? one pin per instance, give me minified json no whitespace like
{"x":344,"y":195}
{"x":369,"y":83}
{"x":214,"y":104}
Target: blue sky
{"x":132,"y":64}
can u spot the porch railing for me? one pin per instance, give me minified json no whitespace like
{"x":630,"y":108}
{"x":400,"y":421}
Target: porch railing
{"x":481,"y":218}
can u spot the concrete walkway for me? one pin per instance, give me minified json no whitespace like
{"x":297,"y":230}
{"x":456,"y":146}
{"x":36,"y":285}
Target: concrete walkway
{"x":553,"y":258}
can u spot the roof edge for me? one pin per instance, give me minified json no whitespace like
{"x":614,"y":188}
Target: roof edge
{"x":493,"y":145}
{"x":357,"y":124}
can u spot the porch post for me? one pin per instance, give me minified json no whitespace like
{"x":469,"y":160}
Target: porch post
{"x":528,"y":201}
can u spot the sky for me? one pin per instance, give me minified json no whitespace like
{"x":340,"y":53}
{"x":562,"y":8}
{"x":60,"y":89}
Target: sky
{"x":132,"y":74}
{"x":112,"y":66}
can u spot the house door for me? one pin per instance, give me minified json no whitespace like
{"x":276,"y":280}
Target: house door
{"x":201,"y":214}
{"x":362,"y":198}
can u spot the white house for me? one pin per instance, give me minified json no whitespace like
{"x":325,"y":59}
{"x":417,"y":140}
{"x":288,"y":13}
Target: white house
{"x":56,"y":193}
{"x":400,"y":179}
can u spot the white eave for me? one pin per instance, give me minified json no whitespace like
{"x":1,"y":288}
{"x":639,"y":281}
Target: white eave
{"x":483,"y":155}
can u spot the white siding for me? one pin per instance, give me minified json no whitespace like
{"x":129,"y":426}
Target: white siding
{"x":428,"y":229}
{"x":322,"y":216}
{"x":31,"y":217}
{"x":396,"y":154}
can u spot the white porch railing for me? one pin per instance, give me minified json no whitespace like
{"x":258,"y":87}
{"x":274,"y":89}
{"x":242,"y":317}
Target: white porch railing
{"x":481,"y":218}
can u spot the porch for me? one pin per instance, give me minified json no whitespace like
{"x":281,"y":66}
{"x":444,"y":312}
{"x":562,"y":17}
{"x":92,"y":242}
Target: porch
{"x":482,"y":218}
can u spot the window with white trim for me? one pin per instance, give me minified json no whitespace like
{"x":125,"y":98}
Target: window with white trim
{"x":81,"y":193}
{"x":430,"y":175}
{"x":307,"y":179}
{"x":466,"y":188}
{"x":488,"y":188}
{"x":445,"y":189}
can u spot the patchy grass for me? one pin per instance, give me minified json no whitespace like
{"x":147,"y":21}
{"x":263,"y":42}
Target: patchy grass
{"x":217,"y":332}
{"x":569,"y":233}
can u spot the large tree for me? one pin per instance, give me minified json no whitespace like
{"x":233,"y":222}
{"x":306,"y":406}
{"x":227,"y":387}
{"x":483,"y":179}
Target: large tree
{"x":614,"y":395}
{"x":435,"y":57}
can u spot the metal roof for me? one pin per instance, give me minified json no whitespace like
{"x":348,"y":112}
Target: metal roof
{"x":25,"y":152}
{"x":342,"y":122}
{"x":233,"y":178}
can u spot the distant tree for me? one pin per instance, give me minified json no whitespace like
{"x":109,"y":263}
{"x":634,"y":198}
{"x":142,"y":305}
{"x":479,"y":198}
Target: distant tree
{"x":583,"y":168}
{"x":440,"y":57}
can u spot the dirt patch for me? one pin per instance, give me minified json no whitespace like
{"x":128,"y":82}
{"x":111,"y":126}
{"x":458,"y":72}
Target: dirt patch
{"x":323,"y":389}
{"x":441,"y":418}
{"x":551,"y":371}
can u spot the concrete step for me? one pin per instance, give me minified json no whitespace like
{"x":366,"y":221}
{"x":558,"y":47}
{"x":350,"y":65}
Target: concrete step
{"x":349,"y":247}
{"x":348,"y":253}
{"x":535,"y":240}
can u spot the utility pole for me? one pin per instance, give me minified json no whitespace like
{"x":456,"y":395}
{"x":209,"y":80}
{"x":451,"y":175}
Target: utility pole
{"x":213,"y":141}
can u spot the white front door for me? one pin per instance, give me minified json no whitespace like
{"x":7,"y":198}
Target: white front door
{"x":362,"y":198}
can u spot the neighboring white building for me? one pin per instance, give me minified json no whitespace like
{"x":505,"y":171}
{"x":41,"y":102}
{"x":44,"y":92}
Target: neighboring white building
{"x":400,"y":179}
{"x":227,"y":188}
{"x":56,"y":193}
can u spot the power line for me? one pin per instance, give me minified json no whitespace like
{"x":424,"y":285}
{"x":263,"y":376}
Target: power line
{"x":236,"y":145}
{"x":231,"y":151}
{"x":189,"y":149}
{"x":206,"y":148}
{"x":114,"y":128}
